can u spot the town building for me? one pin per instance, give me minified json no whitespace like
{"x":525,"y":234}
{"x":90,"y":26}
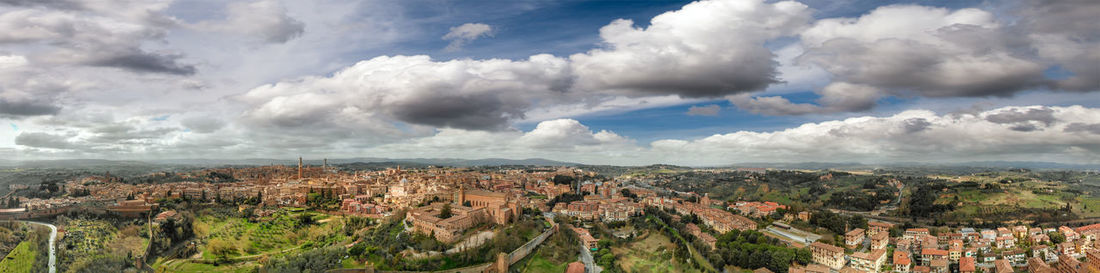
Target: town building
{"x":828,"y":255}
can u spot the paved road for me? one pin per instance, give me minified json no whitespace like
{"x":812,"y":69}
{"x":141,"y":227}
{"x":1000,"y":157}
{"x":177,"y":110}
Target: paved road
{"x":53,"y":243}
{"x":589,"y":263}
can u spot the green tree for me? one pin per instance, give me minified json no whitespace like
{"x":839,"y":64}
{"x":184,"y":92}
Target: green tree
{"x":1057,"y":237}
{"x":221,"y":249}
{"x":445,"y":212}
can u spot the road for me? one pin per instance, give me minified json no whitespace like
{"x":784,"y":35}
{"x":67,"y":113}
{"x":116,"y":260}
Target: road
{"x":53,"y":244}
{"x":589,"y":263}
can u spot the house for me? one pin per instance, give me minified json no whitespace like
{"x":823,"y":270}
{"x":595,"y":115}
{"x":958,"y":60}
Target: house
{"x":938,"y":265}
{"x":1016,"y":257}
{"x":575,"y":267}
{"x":915,"y":232}
{"x":929,"y":254}
{"x":1002,"y":266}
{"x":868,"y":261}
{"x":880,"y":241}
{"x":849,"y":269}
{"x":902,"y":262}
{"x":586,"y":238}
{"x":854,"y":238}
{"x":1067,"y":248}
{"x":1040,"y":251}
{"x":988,"y":258}
{"x":967,"y":265}
{"x":813,"y":268}
{"x":875,"y":227}
{"x":828,"y":255}
{"x":954,"y":253}
{"x":1006,"y":241}
{"x":1037,"y":265}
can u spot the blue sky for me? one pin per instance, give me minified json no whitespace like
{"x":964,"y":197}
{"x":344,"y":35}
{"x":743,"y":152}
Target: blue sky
{"x":780,"y":80}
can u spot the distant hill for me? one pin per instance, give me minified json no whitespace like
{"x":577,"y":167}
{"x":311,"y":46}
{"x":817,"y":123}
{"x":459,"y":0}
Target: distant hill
{"x":456,"y":162}
{"x":77,"y":163}
{"x":1035,"y":165}
{"x":70,"y":163}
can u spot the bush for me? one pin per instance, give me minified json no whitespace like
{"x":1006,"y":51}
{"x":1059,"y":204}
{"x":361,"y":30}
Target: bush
{"x":316,"y":260}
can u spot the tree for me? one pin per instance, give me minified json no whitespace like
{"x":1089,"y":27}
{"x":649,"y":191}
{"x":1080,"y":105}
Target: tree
{"x":445,"y":212}
{"x":221,"y":249}
{"x":563,"y":179}
{"x":1057,"y":237}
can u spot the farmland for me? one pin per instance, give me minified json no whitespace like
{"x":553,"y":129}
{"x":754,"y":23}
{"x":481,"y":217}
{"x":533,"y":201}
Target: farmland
{"x":21,"y":259}
{"x":283,"y":230}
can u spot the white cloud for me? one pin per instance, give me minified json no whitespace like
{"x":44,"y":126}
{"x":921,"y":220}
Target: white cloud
{"x":915,"y":135}
{"x":465,"y":94}
{"x":264,"y":20}
{"x":84,"y":78}
{"x":466,"y":33}
{"x":705,"y":49}
{"x":921,"y":50}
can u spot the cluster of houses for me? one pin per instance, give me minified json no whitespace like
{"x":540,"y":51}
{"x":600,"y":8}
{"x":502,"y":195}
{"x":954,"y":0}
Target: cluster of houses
{"x":967,"y":250}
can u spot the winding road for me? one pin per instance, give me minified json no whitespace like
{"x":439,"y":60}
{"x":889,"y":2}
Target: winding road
{"x":53,"y":244}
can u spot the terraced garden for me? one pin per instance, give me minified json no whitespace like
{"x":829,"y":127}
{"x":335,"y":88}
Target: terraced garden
{"x":21,"y":259}
{"x":85,"y":238}
{"x":281,"y":231}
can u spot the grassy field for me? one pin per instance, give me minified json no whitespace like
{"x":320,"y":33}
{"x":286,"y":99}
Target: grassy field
{"x":86,"y":238}
{"x":1088,"y":206}
{"x":184,"y":267}
{"x":538,"y":264}
{"x":272,"y":234}
{"x":21,"y":259}
{"x":652,"y":254}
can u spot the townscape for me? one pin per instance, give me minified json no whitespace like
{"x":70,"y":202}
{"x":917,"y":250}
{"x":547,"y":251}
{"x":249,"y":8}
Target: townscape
{"x":550,"y":136}
{"x":287,"y":218}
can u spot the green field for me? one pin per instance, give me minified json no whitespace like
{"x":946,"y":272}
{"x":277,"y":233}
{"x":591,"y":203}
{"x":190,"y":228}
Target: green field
{"x":272,"y":234}
{"x":183,"y":266}
{"x":538,"y":264}
{"x":653,"y":254}
{"x":1088,"y":206}
{"x":86,"y":238}
{"x":21,"y":259}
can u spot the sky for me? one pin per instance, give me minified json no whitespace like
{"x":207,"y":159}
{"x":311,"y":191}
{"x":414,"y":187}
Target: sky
{"x":699,"y":83}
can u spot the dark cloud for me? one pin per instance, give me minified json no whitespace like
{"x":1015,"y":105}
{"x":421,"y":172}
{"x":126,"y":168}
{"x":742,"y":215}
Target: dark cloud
{"x":924,"y":69}
{"x":43,"y":140}
{"x":475,"y":111}
{"x":58,"y":4}
{"x":706,"y":110}
{"x":202,"y":125}
{"x":27,"y":108}
{"x":773,"y":106}
{"x":836,"y":97}
{"x":1044,"y":115}
{"x":123,"y":133}
{"x":1083,"y":127}
{"x":1024,"y":127}
{"x":284,"y":31}
{"x":144,"y":62}
{"x":914,"y":125}
{"x":1065,"y":32}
